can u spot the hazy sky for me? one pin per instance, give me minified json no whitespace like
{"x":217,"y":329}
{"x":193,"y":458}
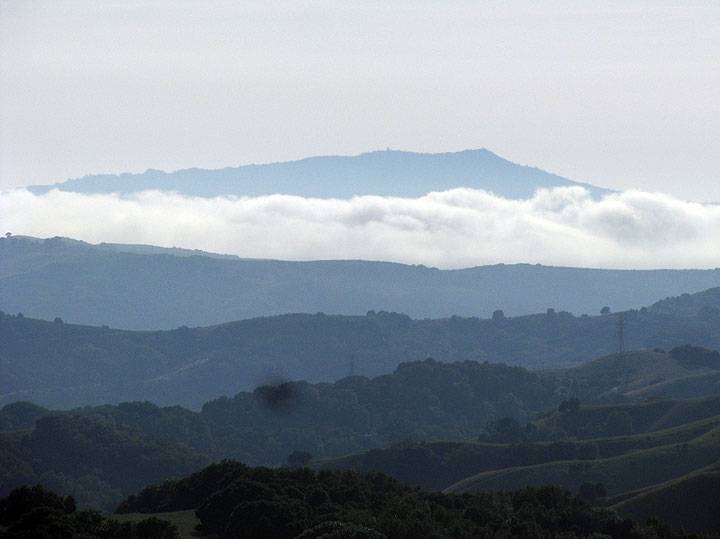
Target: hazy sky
{"x":623,"y":95}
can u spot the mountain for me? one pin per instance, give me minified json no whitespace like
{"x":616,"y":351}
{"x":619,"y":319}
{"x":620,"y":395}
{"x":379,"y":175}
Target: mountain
{"x":384,"y":173}
{"x":145,"y":287}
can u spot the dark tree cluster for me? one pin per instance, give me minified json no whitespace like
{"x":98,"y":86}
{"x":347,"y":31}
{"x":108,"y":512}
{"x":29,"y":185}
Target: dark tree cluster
{"x":232,"y":500}
{"x":37,"y":513}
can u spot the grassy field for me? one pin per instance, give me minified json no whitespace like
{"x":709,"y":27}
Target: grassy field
{"x":631,"y":471}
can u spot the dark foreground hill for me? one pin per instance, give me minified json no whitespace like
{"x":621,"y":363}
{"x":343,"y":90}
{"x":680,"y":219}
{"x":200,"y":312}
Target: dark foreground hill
{"x":232,"y":500}
{"x":65,"y":365}
{"x":384,"y":173}
{"x":145,"y":287}
{"x":229,"y":500}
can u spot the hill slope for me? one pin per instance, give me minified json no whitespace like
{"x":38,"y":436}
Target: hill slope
{"x":438,"y":465}
{"x":64,"y":365}
{"x":387,"y":173}
{"x":690,"y":503}
{"x":142,"y":287}
{"x":631,"y":471}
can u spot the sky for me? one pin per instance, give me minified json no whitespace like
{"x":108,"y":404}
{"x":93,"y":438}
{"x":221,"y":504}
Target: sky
{"x":619,"y":94}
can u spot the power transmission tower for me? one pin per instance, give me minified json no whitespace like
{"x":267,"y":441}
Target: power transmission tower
{"x":621,"y":332}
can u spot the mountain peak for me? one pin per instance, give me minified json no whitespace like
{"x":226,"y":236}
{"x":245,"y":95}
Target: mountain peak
{"x":386,"y":172}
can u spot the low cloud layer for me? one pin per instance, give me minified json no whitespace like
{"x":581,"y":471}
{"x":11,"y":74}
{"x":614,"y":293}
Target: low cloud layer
{"x":457,"y":228}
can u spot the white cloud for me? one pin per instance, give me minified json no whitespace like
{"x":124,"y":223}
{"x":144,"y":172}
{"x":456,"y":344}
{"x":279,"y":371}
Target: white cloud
{"x":457,"y":228}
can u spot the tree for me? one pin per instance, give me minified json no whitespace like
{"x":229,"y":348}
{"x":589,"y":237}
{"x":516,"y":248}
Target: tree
{"x":498,"y":315}
{"x":605,"y":310}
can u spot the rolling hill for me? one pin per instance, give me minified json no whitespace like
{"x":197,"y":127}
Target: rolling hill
{"x":91,"y":452}
{"x":439,"y":465}
{"x":65,"y":365}
{"x":386,"y":173}
{"x":653,"y":470}
{"x":145,"y":287}
{"x":689,"y":503}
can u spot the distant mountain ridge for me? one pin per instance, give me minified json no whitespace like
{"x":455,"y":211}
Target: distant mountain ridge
{"x":145,"y":287}
{"x":383,"y":173}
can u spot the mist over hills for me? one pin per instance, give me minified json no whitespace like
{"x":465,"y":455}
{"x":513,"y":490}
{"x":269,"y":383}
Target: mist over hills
{"x":383,"y":173}
{"x":146,"y":287}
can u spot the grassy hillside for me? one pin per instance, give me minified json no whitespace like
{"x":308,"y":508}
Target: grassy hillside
{"x":595,"y":421}
{"x":690,"y":503}
{"x":439,"y":465}
{"x":631,"y":471}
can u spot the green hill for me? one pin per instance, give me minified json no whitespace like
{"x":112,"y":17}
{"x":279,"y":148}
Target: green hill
{"x":623,"y":473}
{"x":642,"y":375}
{"x":438,"y":465}
{"x":690,"y":503}
{"x":593,"y":421}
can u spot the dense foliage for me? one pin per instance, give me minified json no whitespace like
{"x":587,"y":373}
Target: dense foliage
{"x":96,"y":461}
{"x":236,"y":501}
{"x":37,"y":513}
